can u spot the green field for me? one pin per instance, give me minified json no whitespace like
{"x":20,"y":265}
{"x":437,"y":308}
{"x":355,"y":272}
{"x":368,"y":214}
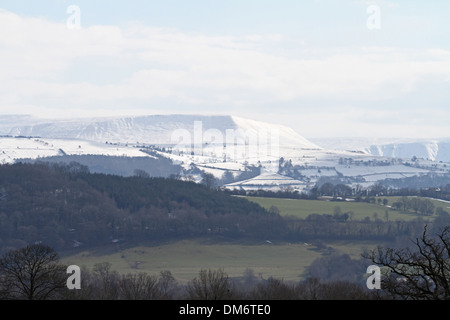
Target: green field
{"x":361,"y":210}
{"x":185,"y":258}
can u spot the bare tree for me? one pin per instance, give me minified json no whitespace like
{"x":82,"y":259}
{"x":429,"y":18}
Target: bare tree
{"x":32,"y":273}
{"x":167,"y":285}
{"x":106,"y":281}
{"x":418,"y":273}
{"x":210,"y":285}
{"x":139,"y":286}
{"x":274,"y":289}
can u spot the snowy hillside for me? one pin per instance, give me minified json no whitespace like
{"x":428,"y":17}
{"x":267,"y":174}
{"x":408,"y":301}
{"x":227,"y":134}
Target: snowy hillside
{"x":12,"y":149}
{"x":240,"y":153}
{"x":156,"y":129}
{"x":435,"y":150}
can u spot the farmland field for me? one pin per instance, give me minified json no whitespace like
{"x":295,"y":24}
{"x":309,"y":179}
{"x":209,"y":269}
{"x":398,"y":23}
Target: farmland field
{"x":185,"y":258}
{"x":361,"y":210}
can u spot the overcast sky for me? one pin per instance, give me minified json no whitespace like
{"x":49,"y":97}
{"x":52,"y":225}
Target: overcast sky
{"x":326,"y":68}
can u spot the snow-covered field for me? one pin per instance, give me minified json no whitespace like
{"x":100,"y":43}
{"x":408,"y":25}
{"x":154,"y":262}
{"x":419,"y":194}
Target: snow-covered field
{"x":12,"y":149}
{"x":379,"y":170}
{"x":269,"y":182}
{"x":17,"y":148}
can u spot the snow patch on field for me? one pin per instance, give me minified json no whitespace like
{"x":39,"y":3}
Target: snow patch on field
{"x":268,"y":182}
{"x":12,"y":149}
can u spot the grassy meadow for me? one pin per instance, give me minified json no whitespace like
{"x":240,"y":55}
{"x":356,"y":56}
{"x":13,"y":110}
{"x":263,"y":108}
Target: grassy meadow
{"x":361,"y":210}
{"x":185,"y":258}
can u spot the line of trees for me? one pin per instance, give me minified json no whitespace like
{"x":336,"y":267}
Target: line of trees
{"x":339,"y":227}
{"x":417,"y":205}
{"x":345,"y":191}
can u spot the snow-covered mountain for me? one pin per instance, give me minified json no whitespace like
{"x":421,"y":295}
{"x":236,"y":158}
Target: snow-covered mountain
{"x":432,"y":149}
{"x":156,"y":129}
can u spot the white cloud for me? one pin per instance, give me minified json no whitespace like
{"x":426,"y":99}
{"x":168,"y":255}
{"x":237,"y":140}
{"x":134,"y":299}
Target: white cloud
{"x":195,"y":70}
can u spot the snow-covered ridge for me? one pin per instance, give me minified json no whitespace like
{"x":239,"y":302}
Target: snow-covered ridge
{"x":288,"y":137}
{"x":153,"y":129}
{"x":432,"y":149}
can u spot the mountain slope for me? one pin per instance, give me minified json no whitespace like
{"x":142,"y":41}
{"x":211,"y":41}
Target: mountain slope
{"x":157,"y":129}
{"x":432,"y":149}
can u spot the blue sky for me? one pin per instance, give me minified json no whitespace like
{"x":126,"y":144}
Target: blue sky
{"x":314,"y":65}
